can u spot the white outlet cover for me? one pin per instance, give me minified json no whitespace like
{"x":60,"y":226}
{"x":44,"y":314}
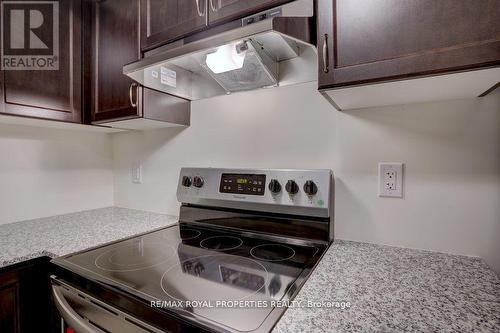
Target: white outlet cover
{"x":390,"y":179}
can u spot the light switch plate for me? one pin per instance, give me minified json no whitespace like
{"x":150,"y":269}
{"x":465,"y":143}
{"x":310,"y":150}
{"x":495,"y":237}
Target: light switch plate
{"x":137,"y":174}
{"x":390,"y":180}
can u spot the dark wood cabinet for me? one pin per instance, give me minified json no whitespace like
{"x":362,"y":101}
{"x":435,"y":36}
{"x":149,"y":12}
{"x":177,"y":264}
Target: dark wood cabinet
{"x":363,"y":41}
{"x":9,"y":304}
{"x":165,"y":20}
{"x":227,"y":10}
{"x":25,"y":297}
{"x":116,"y":99}
{"x":50,"y":94}
{"x":115,"y":42}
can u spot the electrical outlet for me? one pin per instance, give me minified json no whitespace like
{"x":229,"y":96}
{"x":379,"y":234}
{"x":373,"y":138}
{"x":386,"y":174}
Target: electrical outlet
{"x":137,"y":174}
{"x":390,"y":180}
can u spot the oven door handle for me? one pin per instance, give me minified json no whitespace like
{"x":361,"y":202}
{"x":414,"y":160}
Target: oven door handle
{"x":69,"y":315}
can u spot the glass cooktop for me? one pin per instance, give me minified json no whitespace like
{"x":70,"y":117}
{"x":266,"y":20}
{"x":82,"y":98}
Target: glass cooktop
{"x":185,"y":263}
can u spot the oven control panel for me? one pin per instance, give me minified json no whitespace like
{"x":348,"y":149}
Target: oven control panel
{"x":250,"y":184}
{"x":287,"y":191}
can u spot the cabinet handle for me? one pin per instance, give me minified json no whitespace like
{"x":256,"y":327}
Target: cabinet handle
{"x":325,"y":53}
{"x":214,"y":7}
{"x":130,"y":94}
{"x":200,"y":13}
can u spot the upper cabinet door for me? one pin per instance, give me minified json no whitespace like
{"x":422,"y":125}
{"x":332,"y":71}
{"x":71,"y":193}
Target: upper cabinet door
{"x":362,"y":41}
{"x":227,"y":10}
{"x":115,"y":42}
{"x":51,"y":94}
{"x":165,"y":20}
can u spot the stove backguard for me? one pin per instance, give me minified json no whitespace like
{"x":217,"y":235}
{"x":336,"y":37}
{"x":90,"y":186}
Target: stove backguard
{"x":286,"y":203}
{"x":270,"y":225}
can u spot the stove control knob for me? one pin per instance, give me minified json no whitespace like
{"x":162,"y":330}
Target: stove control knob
{"x":186,"y":181}
{"x":274,"y":186}
{"x":292,"y":187}
{"x":198,"y":181}
{"x":310,"y":188}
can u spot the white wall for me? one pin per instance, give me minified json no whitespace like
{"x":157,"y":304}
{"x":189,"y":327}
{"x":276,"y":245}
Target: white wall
{"x":451,"y":150}
{"x":46,"y":172}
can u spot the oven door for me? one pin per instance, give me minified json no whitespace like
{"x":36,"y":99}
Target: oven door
{"x":82,"y":313}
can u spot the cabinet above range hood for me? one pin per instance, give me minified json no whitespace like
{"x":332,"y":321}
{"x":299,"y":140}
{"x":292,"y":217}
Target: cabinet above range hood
{"x":274,"y":48}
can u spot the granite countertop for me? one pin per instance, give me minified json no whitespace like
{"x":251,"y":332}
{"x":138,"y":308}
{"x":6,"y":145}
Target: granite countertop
{"x":357,"y":287}
{"x":393,"y":289}
{"x":64,"y":234}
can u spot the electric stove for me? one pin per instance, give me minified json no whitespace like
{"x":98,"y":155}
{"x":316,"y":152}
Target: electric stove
{"x":245,"y":244}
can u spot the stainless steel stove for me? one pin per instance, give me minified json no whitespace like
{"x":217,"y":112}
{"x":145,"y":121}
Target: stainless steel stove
{"x":245,"y":243}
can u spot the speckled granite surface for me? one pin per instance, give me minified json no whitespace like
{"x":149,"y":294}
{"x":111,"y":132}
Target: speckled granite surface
{"x":63,"y":234}
{"x":389,"y":289}
{"x":397,"y":290}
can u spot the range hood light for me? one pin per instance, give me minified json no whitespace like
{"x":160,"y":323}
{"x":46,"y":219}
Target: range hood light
{"x":227,"y":58}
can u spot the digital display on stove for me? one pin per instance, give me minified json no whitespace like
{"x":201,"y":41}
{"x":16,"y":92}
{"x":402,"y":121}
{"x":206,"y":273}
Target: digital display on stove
{"x":251,"y":184}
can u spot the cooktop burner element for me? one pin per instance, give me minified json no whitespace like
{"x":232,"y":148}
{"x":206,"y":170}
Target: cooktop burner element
{"x":272,"y":252}
{"x":221,"y":243}
{"x":133,"y":257}
{"x":188,"y":234}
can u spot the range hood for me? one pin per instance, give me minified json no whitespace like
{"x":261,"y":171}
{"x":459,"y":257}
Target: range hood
{"x":261,"y":51}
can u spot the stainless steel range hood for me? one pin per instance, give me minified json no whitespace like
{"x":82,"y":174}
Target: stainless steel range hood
{"x":276,"y":51}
